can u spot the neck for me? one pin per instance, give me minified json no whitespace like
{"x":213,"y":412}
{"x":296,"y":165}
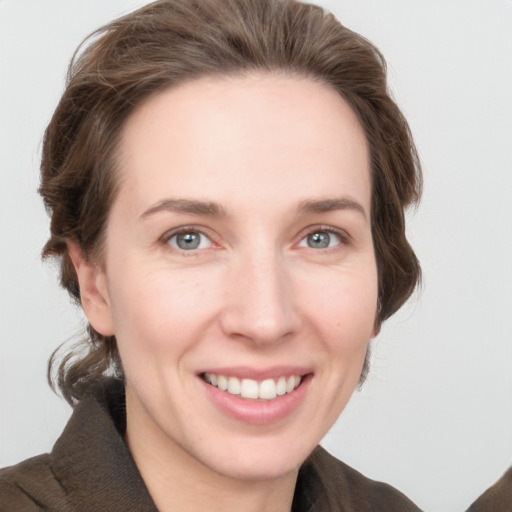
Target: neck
{"x":178,"y":482}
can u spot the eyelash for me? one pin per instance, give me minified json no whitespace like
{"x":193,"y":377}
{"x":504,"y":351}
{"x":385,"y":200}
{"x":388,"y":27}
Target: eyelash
{"x":167,"y":237}
{"x":343,"y":236}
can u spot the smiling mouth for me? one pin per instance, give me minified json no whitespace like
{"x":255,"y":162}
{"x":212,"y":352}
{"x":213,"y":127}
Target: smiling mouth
{"x":251,"y":389}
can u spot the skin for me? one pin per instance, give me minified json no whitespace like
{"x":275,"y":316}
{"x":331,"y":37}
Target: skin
{"x":254,"y":295}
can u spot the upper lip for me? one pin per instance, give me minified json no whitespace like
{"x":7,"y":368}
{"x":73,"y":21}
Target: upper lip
{"x":245,"y":372}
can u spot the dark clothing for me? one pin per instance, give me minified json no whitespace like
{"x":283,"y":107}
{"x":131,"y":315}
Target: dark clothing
{"x":497,"y":498}
{"x":90,"y":469}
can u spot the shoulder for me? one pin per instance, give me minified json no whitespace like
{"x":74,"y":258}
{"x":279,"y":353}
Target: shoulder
{"x":349,"y":490}
{"x":497,"y":498}
{"x":30,"y":486}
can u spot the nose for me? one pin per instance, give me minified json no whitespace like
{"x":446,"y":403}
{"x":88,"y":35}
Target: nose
{"x":260,"y":304}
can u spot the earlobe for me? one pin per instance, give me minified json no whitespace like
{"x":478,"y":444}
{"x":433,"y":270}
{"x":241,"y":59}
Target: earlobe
{"x":94,"y":295}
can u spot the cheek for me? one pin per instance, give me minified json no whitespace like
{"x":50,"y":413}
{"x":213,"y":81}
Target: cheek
{"x":344,"y":320}
{"x":345,"y":306}
{"x":159,"y":311}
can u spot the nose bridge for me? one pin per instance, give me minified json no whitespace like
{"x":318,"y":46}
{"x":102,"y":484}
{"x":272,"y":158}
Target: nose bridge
{"x":261,"y":305}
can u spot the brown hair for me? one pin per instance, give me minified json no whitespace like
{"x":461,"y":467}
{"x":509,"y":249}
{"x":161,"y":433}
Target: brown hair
{"x":169,"y":42}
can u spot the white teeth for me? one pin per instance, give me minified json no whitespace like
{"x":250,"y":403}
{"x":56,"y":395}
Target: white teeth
{"x":222,"y":383}
{"x":249,"y":388}
{"x":281,"y":386}
{"x":290,"y":384}
{"x":233,"y":386}
{"x":267,"y":389}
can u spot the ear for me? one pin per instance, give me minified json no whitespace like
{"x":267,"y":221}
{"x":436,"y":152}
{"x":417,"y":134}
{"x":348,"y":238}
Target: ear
{"x":93,"y":291}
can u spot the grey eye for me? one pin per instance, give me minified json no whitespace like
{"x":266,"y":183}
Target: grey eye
{"x":189,"y":241}
{"x":320,"y":240}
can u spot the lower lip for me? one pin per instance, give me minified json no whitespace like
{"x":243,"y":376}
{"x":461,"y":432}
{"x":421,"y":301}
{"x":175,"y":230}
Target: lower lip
{"x":258,"y":412}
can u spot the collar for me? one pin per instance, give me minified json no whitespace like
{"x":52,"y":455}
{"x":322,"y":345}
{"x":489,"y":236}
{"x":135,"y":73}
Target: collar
{"x":91,"y":460}
{"x":93,"y":464}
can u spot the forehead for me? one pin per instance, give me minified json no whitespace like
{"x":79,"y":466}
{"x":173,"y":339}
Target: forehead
{"x":213,"y":135}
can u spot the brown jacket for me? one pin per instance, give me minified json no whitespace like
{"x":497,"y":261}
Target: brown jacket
{"x":497,"y":498}
{"x":91,"y":470}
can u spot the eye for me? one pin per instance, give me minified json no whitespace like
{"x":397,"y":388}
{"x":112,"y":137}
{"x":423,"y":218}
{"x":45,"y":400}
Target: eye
{"x":189,"y":241}
{"x":321,"y":239}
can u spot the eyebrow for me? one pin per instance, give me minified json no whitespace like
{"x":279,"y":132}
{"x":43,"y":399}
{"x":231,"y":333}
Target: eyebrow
{"x":196,"y":207}
{"x":328,"y":205}
{"x":191,"y":206}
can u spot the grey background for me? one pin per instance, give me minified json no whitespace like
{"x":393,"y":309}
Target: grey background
{"x":435,"y":417}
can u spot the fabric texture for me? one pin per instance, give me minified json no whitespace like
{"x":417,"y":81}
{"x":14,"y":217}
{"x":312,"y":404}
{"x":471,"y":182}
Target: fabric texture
{"x":90,"y":469}
{"x":497,"y":498}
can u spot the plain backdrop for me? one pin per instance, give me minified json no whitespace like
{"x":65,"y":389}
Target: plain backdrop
{"x":435,"y":416}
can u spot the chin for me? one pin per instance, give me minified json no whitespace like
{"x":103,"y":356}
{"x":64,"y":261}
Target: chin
{"x":257,"y":459}
{"x":264,"y":467}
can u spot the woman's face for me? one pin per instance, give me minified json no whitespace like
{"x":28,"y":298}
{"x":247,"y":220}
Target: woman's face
{"x":239,"y":254}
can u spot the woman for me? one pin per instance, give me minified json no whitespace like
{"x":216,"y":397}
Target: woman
{"x":227,"y":182}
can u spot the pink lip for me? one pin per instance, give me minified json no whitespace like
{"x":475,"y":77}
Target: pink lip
{"x":258,"y":412}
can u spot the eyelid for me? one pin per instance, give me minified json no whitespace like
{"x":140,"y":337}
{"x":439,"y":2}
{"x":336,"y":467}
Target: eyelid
{"x":345,"y":238}
{"x":168,"y":235}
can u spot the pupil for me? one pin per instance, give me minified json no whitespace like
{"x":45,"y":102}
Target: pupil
{"x":188,"y":241}
{"x":319,"y":240}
